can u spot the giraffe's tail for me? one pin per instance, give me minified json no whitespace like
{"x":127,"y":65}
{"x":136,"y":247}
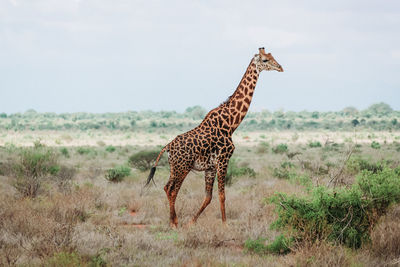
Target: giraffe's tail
{"x":153,"y":169}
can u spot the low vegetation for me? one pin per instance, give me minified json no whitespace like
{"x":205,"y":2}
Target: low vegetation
{"x":377,"y":117}
{"x":344,"y":215}
{"x":292,"y":202}
{"x":280,"y":149}
{"x":118,"y":173}
{"x":32,"y":167}
{"x":237,"y":169}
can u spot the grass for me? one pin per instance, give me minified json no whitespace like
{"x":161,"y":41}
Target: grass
{"x":91,"y":222}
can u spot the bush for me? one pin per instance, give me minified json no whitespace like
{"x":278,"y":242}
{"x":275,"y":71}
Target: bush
{"x":343,"y":215}
{"x":357,"y":164}
{"x":33,"y":166}
{"x":280,"y":149}
{"x":143,"y":160}
{"x":375,"y":145}
{"x":234,"y":170}
{"x":85,"y":151}
{"x":314,"y":144}
{"x":118,"y":173}
{"x":280,"y":245}
{"x":257,"y":246}
{"x":110,"y":149}
{"x":64,"y":151}
{"x":283,"y":172}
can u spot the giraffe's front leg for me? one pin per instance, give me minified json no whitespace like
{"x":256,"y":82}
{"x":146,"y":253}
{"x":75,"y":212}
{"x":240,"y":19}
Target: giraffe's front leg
{"x":209,"y":177}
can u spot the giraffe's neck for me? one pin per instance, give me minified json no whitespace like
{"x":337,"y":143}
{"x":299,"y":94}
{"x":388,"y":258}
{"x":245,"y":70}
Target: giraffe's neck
{"x":239,"y":103}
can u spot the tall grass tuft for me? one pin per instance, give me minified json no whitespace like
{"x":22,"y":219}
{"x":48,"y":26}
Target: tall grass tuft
{"x":32,"y":167}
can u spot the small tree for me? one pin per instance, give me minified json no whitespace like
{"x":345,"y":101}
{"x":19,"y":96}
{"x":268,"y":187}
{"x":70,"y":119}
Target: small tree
{"x":350,"y":111}
{"x":355,"y":122}
{"x":380,"y":109}
{"x":143,"y":160}
{"x":195,"y":112}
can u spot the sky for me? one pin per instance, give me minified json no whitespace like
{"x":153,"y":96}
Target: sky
{"x":114,"y":56}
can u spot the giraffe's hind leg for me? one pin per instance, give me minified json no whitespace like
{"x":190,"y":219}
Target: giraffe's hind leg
{"x":222,"y":168}
{"x":209,"y":177}
{"x":171,"y":189}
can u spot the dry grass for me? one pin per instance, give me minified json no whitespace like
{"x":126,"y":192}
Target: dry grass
{"x":321,"y":254}
{"x":92,"y":220}
{"x":242,"y":138}
{"x":36,"y":229}
{"x":386,"y":236}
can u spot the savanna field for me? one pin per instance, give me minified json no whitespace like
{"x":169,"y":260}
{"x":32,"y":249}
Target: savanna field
{"x":303,"y":189}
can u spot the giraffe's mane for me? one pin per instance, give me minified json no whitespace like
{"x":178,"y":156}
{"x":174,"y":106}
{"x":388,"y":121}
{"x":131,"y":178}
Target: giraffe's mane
{"x":226,"y":100}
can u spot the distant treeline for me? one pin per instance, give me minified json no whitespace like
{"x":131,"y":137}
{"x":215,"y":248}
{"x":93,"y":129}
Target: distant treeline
{"x":378,"y":116}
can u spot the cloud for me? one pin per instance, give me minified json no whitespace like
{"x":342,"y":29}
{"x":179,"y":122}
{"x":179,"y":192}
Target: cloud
{"x":191,"y":49}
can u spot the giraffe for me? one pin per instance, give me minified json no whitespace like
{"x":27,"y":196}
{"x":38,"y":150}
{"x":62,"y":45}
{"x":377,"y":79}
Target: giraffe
{"x":209,"y":146}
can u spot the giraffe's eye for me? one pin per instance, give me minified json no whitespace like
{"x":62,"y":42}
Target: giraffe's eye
{"x":265,"y":60}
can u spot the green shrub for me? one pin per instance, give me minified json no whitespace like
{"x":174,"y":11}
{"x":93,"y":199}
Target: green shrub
{"x":143,"y":160}
{"x":257,"y":245}
{"x":110,"y":149}
{"x":287,"y":165}
{"x":118,"y":173}
{"x":97,"y":261}
{"x":283,"y":172}
{"x":280,"y":149}
{"x":83,"y":150}
{"x":381,"y":188}
{"x":234,"y":170}
{"x":357,"y":164}
{"x":375,"y":145}
{"x":314,"y":144}
{"x":343,"y":215}
{"x":281,"y":245}
{"x":64,"y":151}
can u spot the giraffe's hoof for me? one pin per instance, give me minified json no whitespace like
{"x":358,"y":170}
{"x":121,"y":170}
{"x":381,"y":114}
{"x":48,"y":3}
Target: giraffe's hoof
{"x":173,"y":225}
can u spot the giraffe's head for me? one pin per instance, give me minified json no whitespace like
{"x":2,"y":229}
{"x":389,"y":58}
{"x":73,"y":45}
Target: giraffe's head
{"x":266,"y":61}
